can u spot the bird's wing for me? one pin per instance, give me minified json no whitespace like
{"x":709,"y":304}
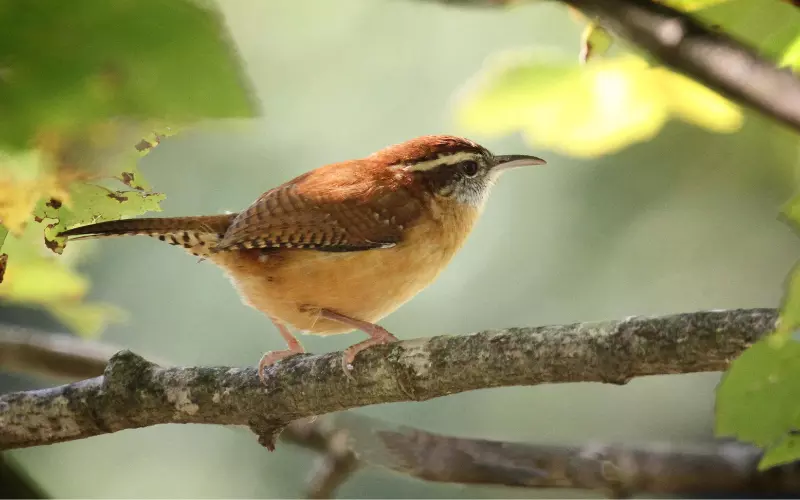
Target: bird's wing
{"x":332,"y":221}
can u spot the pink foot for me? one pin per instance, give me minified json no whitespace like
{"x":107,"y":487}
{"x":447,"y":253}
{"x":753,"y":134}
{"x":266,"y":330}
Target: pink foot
{"x":273,"y":357}
{"x":378,"y":335}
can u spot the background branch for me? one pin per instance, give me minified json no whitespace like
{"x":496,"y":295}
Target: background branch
{"x":619,"y":470}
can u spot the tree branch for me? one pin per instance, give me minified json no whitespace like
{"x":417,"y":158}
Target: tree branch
{"x":51,"y":355}
{"x":685,"y":45}
{"x":133,"y":392}
{"x":619,"y":470}
{"x":61,"y":356}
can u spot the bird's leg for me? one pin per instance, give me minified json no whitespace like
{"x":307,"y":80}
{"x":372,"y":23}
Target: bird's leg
{"x":273,"y":357}
{"x":377,"y":335}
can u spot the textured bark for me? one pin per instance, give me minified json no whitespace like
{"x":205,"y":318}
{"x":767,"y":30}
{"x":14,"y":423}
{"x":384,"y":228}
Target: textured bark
{"x":134,"y":392}
{"x":678,"y":41}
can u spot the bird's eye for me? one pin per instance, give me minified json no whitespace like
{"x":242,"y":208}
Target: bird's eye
{"x":470,"y":168}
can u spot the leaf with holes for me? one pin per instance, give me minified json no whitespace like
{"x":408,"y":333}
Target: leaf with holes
{"x":90,"y":203}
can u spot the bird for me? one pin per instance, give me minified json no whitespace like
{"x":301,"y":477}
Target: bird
{"x":342,"y":246}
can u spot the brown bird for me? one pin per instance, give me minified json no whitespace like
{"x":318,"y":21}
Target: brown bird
{"x":341,"y":247}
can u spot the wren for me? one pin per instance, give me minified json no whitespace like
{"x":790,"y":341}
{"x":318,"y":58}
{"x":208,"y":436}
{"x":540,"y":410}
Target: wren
{"x":342,"y":246}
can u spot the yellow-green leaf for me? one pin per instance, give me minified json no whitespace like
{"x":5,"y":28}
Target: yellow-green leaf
{"x":91,"y":203}
{"x":691,"y":5}
{"x":36,"y":279}
{"x":595,"y":42}
{"x":587,"y":111}
{"x":25,"y":177}
{"x":791,"y":56}
{"x":786,"y":451}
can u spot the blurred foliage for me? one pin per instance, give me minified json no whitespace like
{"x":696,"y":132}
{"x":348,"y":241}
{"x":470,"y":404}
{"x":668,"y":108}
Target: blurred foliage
{"x":618,"y":101}
{"x":592,"y":111}
{"x":758,"y":400}
{"x":88,"y":88}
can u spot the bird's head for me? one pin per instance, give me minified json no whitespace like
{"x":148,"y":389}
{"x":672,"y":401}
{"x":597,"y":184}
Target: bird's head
{"x":452,"y":167}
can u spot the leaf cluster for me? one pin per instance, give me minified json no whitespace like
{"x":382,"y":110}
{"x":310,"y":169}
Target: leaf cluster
{"x":618,"y":98}
{"x":86,"y":89}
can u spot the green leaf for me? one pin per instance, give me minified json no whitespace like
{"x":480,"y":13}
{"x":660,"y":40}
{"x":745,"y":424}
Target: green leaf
{"x":595,"y":42}
{"x":66,"y":65}
{"x":25,"y":177}
{"x":791,"y":56}
{"x":786,"y":451}
{"x":770,"y":26}
{"x":91,"y":203}
{"x":691,"y":5}
{"x":589,"y":111}
{"x":36,"y":279}
{"x":758,"y":399}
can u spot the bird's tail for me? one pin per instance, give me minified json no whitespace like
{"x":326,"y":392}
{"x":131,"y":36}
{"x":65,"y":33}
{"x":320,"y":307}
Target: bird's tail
{"x":198,"y":235}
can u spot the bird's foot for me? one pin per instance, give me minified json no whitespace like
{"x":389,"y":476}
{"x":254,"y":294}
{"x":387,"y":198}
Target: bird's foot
{"x":378,"y":337}
{"x":272,"y":357}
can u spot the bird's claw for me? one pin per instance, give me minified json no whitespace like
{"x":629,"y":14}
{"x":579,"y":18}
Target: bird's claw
{"x":349,"y":354}
{"x":270,"y":358}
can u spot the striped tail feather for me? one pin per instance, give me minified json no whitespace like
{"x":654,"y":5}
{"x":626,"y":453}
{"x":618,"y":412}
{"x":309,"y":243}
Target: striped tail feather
{"x":198,"y":235}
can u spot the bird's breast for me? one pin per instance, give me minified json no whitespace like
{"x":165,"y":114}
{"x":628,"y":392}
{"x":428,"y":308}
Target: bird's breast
{"x":292,"y":285}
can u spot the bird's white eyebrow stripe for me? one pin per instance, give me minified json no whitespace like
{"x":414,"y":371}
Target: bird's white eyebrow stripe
{"x":449,"y":159}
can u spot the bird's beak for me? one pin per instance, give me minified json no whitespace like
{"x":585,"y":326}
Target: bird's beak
{"x":507,"y":162}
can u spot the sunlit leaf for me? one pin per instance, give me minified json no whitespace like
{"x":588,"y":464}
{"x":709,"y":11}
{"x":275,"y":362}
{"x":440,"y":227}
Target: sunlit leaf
{"x":791,"y":56}
{"x":90,"y":203}
{"x":25,"y":178}
{"x":690,"y":5}
{"x":786,"y":451}
{"x":588,"y":111}
{"x":35,"y":279}
{"x":696,"y":103}
{"x":65,"y":66}
{"x":758,"y":400}
{"x":595,"y":42}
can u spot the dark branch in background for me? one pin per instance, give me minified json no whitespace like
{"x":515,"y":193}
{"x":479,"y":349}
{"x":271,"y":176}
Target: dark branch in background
{"x":617,"y":470}
{"x":682,"y":43}
{"x":728,"y":468}
{"x":51,"y":355}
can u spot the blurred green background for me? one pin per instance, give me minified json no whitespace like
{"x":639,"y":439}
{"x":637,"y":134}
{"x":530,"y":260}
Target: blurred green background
{"x":687,"y":221}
